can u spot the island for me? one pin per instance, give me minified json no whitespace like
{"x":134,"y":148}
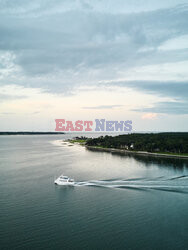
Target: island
{"x":30,"y":133}
{"x":168,"y":144}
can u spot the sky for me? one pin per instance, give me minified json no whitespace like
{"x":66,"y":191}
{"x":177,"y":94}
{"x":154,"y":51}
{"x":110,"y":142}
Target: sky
{"x":86,"y":60}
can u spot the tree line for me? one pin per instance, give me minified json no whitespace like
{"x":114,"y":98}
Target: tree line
{"x":172,"y":142}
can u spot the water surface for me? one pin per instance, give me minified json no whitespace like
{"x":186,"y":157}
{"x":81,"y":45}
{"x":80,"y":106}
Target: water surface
{"x":118,"y":202}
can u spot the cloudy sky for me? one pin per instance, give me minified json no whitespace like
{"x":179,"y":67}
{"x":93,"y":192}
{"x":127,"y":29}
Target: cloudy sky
{"x":87,"y":59}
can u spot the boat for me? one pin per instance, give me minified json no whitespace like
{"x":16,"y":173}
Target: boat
{"x":64,"y":181}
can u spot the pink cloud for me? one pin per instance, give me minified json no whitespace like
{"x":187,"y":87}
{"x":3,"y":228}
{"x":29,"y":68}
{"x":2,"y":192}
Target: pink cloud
{"x":149,"y":116}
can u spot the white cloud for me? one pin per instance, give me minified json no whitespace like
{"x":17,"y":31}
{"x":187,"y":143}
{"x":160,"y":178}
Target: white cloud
{"x":180,"y":42}
{"x":51,"y":51}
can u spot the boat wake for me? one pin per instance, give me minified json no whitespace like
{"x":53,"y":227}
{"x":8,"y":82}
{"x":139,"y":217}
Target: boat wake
{"x":175,"y":184}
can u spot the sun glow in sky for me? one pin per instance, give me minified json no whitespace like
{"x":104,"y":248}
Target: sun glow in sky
{"x":80,"y":59}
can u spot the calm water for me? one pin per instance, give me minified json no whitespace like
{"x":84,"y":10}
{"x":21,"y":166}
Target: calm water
{"x":118,"y":202}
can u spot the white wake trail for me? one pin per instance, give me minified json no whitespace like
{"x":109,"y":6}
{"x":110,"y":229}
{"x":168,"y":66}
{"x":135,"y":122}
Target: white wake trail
{"x":177,"y":184}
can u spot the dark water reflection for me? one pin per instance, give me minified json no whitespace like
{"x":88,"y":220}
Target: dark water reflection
{"x":148,"y":160}
{"x":175,"y":163}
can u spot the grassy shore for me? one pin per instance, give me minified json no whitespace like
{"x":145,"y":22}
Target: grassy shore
{"x":77,"y":141}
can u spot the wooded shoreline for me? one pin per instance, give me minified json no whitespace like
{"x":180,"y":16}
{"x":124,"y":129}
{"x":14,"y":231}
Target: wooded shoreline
{"x":124,"y":151}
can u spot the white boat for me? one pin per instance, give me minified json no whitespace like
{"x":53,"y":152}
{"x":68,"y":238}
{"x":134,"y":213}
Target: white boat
{"x":64,"y":181}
